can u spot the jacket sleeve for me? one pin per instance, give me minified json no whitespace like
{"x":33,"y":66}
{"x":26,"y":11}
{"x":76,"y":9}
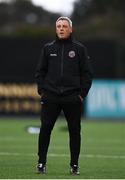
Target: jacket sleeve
{"x":86,"y":72}
{"x":41,"y":71}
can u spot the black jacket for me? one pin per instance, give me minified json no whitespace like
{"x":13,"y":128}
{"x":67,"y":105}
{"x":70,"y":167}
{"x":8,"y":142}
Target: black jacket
{"x":64,"y":68}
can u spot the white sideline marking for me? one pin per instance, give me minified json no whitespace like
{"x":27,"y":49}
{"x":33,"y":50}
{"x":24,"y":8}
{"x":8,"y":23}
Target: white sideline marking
{"x":9,"y":154}
{"x":66,"y":155}
{"x":13,"y":138}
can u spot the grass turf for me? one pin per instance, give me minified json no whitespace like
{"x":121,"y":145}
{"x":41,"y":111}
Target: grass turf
{"x":102,"y":150}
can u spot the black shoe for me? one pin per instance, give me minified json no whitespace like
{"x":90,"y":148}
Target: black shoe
{"x":74,"y":170}
{"x":41,"y":168}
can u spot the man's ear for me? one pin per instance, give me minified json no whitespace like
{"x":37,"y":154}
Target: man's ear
{"x":71,"y":30}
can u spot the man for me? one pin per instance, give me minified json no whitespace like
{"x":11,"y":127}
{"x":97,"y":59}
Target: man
{"x":64,"y":78}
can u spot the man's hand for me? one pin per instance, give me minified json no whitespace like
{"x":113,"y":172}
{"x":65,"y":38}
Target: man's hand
{"x":81,"y":98}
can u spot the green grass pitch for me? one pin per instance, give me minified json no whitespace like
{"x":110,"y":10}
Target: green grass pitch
{"x":102,"y":150}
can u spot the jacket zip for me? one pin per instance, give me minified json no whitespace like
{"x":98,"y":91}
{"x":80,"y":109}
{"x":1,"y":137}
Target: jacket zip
{"x":62,"y":53}
{"x":62,"y":60}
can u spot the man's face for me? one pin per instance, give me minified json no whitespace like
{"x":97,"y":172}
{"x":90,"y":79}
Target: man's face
{"x":63,"y":29}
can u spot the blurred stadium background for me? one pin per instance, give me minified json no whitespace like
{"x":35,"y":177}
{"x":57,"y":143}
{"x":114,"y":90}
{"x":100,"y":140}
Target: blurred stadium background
{"x":24,"y":29}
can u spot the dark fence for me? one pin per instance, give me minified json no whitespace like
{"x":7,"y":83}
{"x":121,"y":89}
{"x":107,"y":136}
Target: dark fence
{"x":18,"y":59}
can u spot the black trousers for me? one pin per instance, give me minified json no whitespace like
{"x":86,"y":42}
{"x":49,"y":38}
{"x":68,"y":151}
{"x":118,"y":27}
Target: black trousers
{"x":51,"y":108}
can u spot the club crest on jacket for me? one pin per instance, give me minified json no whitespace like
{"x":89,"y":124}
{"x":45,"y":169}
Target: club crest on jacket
{"x":72,"y":54}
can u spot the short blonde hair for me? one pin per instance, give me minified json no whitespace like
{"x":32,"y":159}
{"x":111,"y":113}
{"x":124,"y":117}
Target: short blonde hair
{"x":65,"y":18}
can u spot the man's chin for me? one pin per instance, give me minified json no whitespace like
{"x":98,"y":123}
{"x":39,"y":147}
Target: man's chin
{"x":62,"y":37}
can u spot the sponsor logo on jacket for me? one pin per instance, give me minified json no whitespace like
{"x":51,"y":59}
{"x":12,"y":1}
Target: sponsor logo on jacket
{"x":53,"y":54}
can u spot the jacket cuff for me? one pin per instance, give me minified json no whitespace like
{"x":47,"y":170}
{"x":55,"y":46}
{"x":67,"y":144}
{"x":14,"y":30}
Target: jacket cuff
{"x":40,"y":90}
{"x":83,"y":94}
